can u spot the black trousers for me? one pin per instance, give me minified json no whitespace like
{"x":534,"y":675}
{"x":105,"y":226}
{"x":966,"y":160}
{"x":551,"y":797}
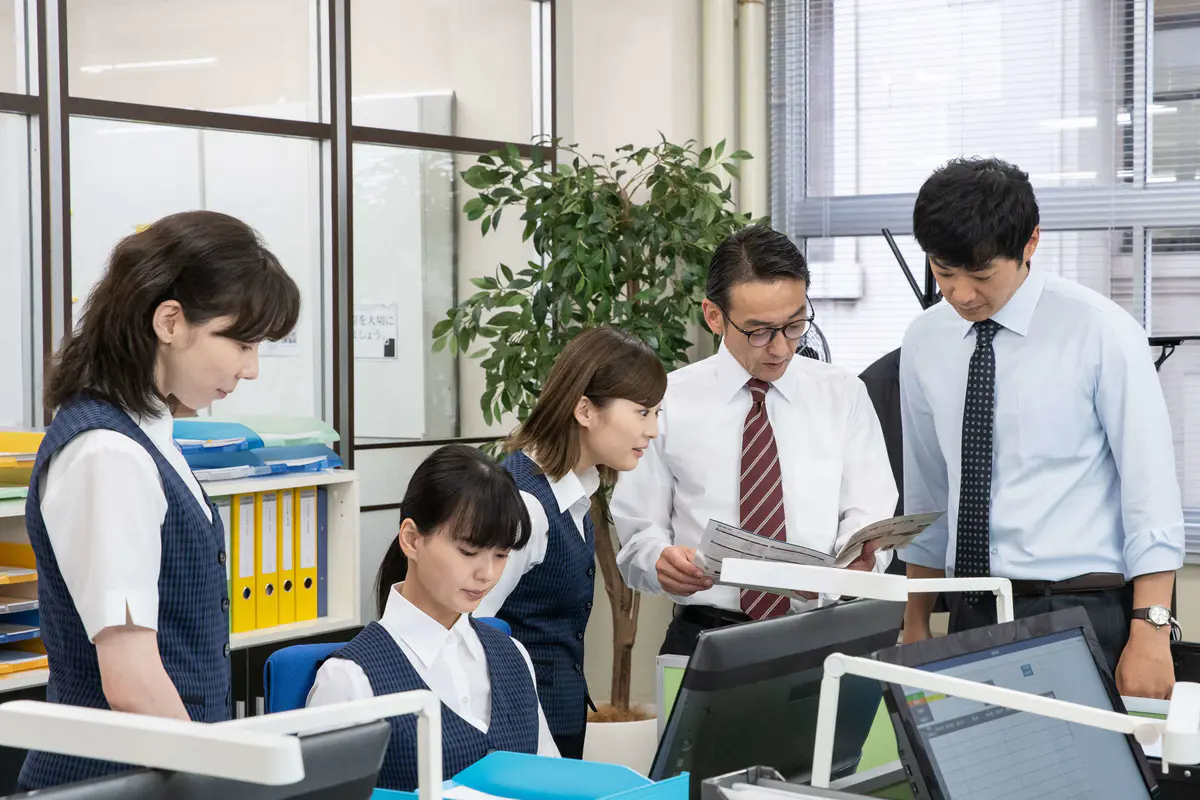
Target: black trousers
{"x":689,"y":622}
{"x":1110,"y":612}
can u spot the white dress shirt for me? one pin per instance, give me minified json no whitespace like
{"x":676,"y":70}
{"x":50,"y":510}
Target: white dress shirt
{"x":104,"y":507}
{"x":572,"y":493}
{"x":832,"y":458}
{"x":1083,"y":463}
{"x":451,"y":662}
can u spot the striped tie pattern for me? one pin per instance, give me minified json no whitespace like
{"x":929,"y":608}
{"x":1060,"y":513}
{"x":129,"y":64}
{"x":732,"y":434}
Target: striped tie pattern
{"x":761,"y":486}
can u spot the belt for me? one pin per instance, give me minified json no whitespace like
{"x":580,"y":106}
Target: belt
{"x":1091,"y":582}
{"x":709,"y":617}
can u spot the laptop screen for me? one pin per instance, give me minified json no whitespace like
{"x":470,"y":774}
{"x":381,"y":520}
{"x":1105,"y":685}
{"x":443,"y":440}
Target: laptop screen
{"x":982,"y":752}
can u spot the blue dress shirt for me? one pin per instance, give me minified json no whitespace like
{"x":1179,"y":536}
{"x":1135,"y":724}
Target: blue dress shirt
{"x":1083,"y":462}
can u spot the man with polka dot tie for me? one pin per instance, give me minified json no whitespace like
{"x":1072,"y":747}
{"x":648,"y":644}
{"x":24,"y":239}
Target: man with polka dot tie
{"x":1032,"y":412}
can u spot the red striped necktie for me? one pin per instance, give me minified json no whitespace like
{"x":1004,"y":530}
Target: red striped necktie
{"x":761,"y":489}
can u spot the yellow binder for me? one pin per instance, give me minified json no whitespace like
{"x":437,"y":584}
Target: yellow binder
{"x":306,"y":554}
{"x":287,"y":564}
{"x":243,"y":599}
{"x":266,"y":535}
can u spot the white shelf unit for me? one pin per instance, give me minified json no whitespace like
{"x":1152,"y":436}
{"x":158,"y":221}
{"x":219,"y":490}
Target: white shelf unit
{"x":343,"y":582}
{"x":12,"y":529}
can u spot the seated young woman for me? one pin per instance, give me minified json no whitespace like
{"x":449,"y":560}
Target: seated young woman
{"x":460,"y":517}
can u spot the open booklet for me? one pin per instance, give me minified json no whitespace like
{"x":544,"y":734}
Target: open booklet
{"x":723,"y":541}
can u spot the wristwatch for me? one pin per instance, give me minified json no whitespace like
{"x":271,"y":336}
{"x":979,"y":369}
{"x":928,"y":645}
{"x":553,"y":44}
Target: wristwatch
{"x":1159,"y":617}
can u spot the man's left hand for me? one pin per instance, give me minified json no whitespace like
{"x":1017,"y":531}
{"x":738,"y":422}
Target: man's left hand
{"x":1146,"y":669}
{"x":866,"y":561}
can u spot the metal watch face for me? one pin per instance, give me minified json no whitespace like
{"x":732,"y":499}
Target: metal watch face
{"x":1159,"y":615}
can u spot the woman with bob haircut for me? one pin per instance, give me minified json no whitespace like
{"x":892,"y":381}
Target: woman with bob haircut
{"x":130,"y":552}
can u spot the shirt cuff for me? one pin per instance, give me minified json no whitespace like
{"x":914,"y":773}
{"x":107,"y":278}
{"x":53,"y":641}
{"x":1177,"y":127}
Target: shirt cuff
{"x":1155,"y":550}
{"x":138,"y":608}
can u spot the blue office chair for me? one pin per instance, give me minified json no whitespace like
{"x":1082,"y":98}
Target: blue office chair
{"x":290,"y":671}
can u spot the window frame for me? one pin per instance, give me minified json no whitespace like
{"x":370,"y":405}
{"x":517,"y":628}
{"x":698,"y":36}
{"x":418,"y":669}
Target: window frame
{"x":51,"y":106}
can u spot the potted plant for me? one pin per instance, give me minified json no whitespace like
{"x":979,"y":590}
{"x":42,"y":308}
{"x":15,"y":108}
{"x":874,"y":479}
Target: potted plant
{"x":622,"y":241}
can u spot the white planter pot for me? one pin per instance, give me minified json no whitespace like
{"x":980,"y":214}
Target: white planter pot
{"x":631,"y":744}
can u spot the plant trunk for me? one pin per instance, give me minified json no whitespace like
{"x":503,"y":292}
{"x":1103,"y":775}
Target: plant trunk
{"x":624,"y":602}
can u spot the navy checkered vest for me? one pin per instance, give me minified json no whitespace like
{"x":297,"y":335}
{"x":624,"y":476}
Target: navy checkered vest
{"x":549,"y":608}
{"x":514,"y":719}
{"x":193,"y":621}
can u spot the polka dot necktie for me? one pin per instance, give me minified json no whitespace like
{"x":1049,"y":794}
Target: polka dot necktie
{"x":761,"y":492}
{"x":972,"y":536}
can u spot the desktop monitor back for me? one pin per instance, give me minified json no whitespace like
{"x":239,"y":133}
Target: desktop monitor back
{"x":750,"y":694}
{"x":338,"y":765}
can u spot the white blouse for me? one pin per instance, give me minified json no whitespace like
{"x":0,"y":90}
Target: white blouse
{"x":103,"y":505}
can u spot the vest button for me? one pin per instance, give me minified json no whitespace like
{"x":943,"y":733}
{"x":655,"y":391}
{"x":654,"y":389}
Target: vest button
{"x":221,"y":557}
{"x":579,"y":635}
{"x":226,"y":650}
{"x":591,"y":572}
{"x":577,"y":668}
{"x":589,"y":605}
{"x":224,"y":603}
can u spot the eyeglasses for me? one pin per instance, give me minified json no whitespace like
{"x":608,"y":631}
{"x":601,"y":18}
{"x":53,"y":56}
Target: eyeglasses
{"x":761,"y":337}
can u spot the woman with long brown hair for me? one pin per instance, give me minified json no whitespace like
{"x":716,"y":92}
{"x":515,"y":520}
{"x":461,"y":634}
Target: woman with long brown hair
{"x":595,"y":417}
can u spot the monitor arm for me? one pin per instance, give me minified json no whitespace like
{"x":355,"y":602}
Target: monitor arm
{"x":1180,"y":731}
{"x":1168,"y":345}
{"x":260,"y":750}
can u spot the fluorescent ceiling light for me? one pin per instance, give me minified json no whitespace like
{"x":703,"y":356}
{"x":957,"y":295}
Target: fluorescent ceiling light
{"x":1159,"y":108}
{"x":96,"y":69}
{"x":1161,"y":179}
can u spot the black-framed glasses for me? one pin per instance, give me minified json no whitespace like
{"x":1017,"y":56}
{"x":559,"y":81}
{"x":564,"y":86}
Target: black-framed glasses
{"x":761,"y":337}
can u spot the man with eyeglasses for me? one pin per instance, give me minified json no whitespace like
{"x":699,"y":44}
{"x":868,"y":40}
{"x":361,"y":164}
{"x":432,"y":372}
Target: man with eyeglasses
{"x":788,"y":448}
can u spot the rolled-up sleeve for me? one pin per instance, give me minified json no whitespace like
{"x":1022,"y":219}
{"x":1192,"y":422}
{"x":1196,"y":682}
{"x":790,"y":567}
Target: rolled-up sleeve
{"x":103,"y":506}
{"x":1133,"y":412}
{"x":926,"y":483}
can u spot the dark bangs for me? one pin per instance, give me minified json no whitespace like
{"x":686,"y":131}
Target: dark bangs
{"x":490,"y":514}
{"x":459,"y":490}
{"x":264,"y":307}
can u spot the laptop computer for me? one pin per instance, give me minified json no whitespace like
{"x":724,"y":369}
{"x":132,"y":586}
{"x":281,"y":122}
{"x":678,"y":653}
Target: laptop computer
{"x":955,"y":749}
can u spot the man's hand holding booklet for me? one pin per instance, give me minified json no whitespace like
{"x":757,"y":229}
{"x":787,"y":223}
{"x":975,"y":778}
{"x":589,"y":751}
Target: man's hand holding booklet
{"x":722,"y":541}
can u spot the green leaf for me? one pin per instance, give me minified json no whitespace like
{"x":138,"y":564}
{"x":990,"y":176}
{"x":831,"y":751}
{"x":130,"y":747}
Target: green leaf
{"x":705,"y":156}
{"x":487,"y":223}
{"x":740,"y":155}
{"x":474,"y":208}
{"x":485,"y":283}
{"x":479,"y":177}
{"x":720,"y":149}
{"x":508,"y":273}
{"x":442,"y":328}
{"x":731,"y":169}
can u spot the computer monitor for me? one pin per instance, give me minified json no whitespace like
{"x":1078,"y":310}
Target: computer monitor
{"x":338,"y":765}
{"x":750,"y":693}
{"x":957,"y":749}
